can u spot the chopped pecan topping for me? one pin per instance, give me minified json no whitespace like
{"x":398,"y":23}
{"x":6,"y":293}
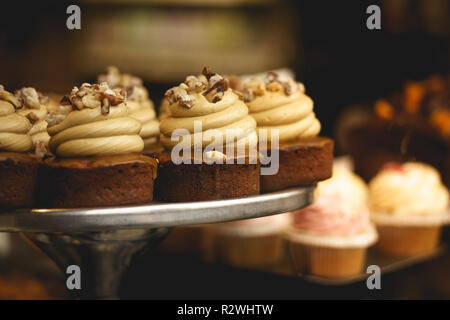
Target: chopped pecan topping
{"x":196,"y":84}
{"x":94,"y":96}
{"x":271,"y":77}
{"x":274,"y":86}
{"x":29,"y":97}
{"x":253,"y":89}
{"x":217,"y":87}
{"x":132,"y":84}
{"x":43,"y":99}
{"x":290,"y":86}
{"x":180,"y":94}
{"x":32,"y":117}
{"x":207,"y":72}
{"x":9,"y":97}
{"x":211,"y":85}
{"x":271,"y":83}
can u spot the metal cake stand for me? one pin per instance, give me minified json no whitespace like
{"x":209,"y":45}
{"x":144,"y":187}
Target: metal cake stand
{"x":102,"y":241}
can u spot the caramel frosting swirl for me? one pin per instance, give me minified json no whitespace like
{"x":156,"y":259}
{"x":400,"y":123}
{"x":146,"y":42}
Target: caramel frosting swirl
{"x":35,"y":109}
{"x":14,"y":127}
{"x":281,"y":105}
{"x":91,"y":131}
{"x":140,"y":105}
{"x":209,"y":101}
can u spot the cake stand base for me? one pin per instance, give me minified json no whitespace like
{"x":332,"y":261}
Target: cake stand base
{"x":102,"y":257}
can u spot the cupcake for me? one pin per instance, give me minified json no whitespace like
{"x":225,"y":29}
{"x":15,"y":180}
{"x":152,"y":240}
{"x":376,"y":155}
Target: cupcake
{"x":19,"y":167}
{"x":138,"y":102}
{"x":330,"y":237}
{"x":209,"y":141}
{"x":408,"y":203}
{"x":282,"y":109}
{"x":246,"y":243}
{"x":97,"y":148}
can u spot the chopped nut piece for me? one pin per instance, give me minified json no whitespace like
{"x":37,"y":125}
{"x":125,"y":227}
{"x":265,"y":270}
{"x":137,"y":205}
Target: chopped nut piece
{"x":217,"y":87}
{"x":195,"y":84}
{"x":30,"y":98}
{"x":207,"y":72}
{"x":94,"y":96}
{"x":271,"y":77}
{"x":253,"y":89}
{"x":274,"y":86}
{"x":32,"y":117}
{"x":131,"y":84}
{"x":290,"y":87}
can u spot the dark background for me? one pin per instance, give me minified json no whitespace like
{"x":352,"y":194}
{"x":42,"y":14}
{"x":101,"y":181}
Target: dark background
{"x":326,"y":43}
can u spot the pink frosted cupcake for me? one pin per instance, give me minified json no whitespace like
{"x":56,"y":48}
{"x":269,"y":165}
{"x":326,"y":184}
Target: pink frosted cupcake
{"x":246,"y":243}
{"x":330,"y":237}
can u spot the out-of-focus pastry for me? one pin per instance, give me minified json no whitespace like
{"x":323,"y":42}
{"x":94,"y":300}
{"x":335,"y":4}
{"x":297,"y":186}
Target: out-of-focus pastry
{"x":408,"y":203}
{"x":246,"y":243}
{"x":330,"y":237}
{"x":412,"y":125}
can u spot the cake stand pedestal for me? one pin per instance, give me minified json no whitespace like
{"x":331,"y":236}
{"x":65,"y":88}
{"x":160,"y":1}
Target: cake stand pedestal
{"x":103,"y":241}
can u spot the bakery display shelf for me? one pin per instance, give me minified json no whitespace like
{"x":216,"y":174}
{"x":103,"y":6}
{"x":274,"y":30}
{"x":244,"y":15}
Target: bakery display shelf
{"x":387,"y":264}
{"x":102,"y":241}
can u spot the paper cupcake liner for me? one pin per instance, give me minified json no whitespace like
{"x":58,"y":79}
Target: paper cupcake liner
{"x":327,"y":262}
{"x":249,"y":251}
{"x":362,"y":240}
{"x":408,"y":240}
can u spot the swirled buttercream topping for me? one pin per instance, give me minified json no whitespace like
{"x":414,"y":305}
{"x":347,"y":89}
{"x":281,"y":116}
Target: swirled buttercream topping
{"x":346,"y":185}
{"x":14,"y":127}
{"x":35,"y":110}
{"x":207,"y":100}
{"x":138,"y":101}
{"x":408,"y":189}
{"x":102,"y":127}
{"x":331,"y":216}
{"x":164,"y":111}
{"x":281,"y":105}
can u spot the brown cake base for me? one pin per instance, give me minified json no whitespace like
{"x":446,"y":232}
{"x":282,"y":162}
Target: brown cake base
{"x":18,"y":177}
{"x":302,"y":162}
{"x":202,"y":182}
{"x":99,"y":181}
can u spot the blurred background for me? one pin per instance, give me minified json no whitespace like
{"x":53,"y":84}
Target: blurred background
{"x":326,"y":44}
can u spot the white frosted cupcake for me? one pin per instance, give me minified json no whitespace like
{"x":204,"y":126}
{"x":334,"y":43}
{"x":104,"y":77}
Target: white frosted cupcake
{"x":409,"y":205}
{"x":330,"y":237}
{"x":246,"y":243}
